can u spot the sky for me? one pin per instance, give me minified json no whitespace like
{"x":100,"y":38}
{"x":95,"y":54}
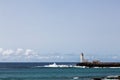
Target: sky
{"x":59,"y":30}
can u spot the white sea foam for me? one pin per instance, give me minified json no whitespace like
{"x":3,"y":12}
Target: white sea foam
{"x":75,"y":77}
{"x":55,"y":65}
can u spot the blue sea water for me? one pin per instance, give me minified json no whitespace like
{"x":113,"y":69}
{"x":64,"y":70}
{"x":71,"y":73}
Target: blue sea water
{"x":37,"y":71}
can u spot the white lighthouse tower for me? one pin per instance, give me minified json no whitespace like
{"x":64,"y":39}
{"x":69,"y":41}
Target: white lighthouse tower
{"x":81,"y":57}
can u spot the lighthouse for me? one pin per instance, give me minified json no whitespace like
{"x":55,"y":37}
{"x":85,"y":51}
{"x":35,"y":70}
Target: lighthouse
{"x":81,"y":57}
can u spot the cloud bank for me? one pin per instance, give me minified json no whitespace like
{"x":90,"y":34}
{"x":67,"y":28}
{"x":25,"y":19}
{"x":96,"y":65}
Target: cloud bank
{"x":24,"y":55}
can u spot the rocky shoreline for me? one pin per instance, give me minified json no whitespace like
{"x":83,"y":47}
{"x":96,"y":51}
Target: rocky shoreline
{"x":99,"y":64}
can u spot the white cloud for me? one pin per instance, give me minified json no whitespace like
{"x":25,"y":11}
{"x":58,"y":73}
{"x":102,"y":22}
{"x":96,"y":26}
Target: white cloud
{"x":19,"y":51}
{"x":7,"y":52}
{"x":29,"y":52}
{"x":1,"y":50}
{"x":57,"y":57}
{"x":26,"y":55}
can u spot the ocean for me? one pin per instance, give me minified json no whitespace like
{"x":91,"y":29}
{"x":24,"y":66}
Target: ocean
{"x":38,"y":71}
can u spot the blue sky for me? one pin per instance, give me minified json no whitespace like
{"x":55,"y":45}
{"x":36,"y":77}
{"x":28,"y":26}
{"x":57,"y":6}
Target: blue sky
{"x":59,"y":30}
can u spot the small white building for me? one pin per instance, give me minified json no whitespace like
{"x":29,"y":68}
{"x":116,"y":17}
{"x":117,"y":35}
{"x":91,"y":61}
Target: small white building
{"x":82,"y":59}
